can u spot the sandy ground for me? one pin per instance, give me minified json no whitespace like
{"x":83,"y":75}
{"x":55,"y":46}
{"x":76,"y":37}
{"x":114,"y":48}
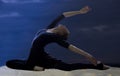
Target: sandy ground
{"x":113,"y":71}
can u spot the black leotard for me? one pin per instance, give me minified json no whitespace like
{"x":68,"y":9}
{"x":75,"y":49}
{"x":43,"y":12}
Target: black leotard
{"x":37,"y":55}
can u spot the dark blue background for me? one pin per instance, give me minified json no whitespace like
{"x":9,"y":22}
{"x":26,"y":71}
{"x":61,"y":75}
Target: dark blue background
{"x":97,"y":32}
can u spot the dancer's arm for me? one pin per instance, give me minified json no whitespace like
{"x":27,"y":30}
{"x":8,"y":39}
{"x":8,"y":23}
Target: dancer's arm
{"x":54,"y":23}
{"x":65,"y":44}
{"x":98,"y":64}
{"x":84,"y":10}
{"x":82,"y":52}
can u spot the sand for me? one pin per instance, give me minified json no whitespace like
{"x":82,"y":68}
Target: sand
{"x":113,"y":71}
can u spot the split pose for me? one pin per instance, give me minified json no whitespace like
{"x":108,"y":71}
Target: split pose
{"x":54,"y":33}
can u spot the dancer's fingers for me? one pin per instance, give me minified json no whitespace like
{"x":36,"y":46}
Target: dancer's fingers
{"x":85,"y":9}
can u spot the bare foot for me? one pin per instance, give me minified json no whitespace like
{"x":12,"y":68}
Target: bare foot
{"x":105,"y":67}
{"x":38,"y":68}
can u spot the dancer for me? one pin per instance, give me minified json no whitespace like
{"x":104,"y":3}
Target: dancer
{"x":54,"y":33}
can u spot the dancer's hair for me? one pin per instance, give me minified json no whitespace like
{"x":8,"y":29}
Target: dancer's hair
{"x":61,"y":30}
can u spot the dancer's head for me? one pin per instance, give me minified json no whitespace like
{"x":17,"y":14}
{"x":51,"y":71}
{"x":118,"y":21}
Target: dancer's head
{"x":62,"y":31}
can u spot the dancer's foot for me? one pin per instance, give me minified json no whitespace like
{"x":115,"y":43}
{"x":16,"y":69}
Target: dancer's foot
{"x":38,"y":68}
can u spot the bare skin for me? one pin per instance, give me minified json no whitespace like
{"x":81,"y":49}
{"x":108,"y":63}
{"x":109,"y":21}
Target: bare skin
{"x":61,"y":30}
{"x":73,"y":48}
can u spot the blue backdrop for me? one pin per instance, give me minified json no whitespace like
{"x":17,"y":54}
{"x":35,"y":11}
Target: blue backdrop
{"x":96,"y":32}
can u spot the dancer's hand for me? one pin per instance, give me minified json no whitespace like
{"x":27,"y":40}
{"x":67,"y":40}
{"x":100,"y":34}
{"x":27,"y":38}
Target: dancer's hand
{"x":101,"y":66}
{"x":85,"y":10}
